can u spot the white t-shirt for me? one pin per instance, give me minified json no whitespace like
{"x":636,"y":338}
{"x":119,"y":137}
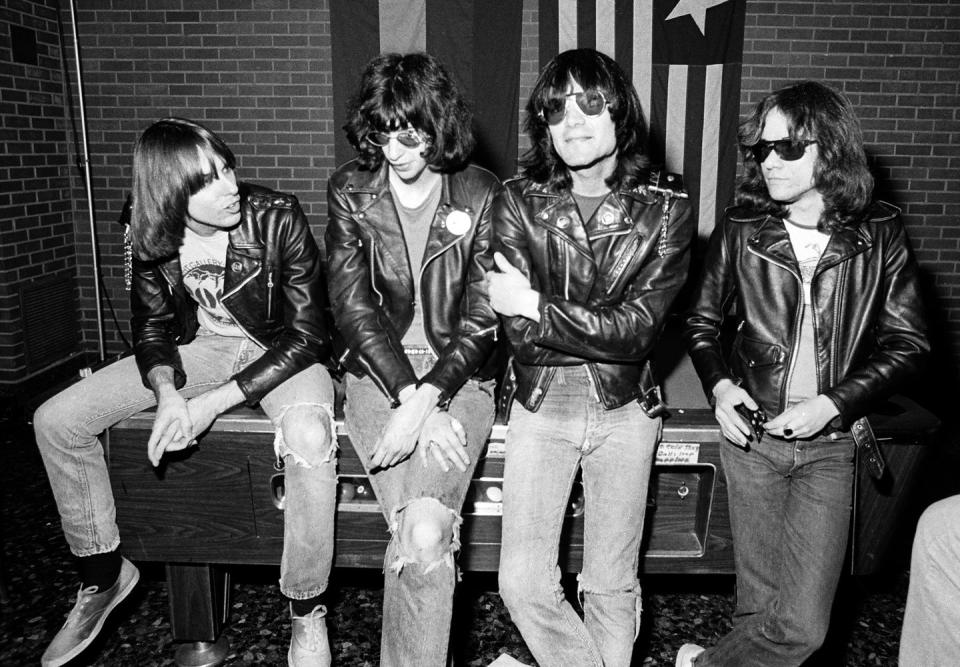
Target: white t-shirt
{"x":202,"y":261}
{"x":808,"y":245}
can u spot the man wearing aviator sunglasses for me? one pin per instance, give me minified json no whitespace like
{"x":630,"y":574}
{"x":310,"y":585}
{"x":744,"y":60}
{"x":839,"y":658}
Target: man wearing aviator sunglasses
{"x":589,"y":260}
{"x":407,"y":244}
{"x":828,"y":320}
{"x":408,"y":138}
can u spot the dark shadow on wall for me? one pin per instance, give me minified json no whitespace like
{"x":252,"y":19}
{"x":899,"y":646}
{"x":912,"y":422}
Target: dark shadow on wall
{"x":935,"y":388}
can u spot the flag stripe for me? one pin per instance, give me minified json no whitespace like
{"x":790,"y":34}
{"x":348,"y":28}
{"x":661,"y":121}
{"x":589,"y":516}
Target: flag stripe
{"x":605,"y":33}
{"x":675,"y":130}
{"x":728,"y":146}
{"x":586,"y":24}
{"x":354,"y":39}
{"x":712,"y":93}
{"x":643,"y":53}
{"x":403,"y":25}
{"x":623,"y":35}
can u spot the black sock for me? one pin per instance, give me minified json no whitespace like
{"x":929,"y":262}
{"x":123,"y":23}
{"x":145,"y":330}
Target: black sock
{"x":100,"y":570}
{"x":304,"y":607}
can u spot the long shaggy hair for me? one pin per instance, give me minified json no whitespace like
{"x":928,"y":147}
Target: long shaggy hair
{"x":168,"y":167}
{"x":817,"y":112}
{"x":593,"y":71}
{"x":415,"y":90}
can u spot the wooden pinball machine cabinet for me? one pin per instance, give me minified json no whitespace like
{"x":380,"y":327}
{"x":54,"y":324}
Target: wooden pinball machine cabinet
{"x":221,"y":504}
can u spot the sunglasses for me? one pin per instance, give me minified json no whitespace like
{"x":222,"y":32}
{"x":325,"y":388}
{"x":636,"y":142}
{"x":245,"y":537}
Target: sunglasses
{"x":409,"y":138}
{"x":786,"y":149}
{"x":590,"y":102}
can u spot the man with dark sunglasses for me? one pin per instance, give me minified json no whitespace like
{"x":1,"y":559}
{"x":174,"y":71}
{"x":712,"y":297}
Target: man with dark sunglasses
{"x":590,"y":258}
{"x":827,"y":322}
{"x":408,"y":243}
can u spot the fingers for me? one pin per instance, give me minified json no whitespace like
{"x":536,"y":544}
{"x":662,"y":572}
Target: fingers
{"x":503,"y":264}
{"x":161,"y":439}
{"x":446,"y":448}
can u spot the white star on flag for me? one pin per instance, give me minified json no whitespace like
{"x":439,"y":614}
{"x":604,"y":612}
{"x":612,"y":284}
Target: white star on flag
{"x":695,"y":9}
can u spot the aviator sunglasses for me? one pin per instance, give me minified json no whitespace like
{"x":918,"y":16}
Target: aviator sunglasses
{"x":591,"y":103}
{"x":786,"y":149}
{"x":409,"y":138}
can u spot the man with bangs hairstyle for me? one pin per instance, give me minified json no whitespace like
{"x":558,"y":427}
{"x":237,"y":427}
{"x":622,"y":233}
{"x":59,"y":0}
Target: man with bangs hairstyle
{"x":228,"y":304}
{"x":827,"y":322}
{"x":590,"y":257}
{"x":407,"y":244}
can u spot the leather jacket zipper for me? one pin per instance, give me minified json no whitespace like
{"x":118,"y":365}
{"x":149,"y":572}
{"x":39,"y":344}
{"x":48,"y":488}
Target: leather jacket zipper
{"x":796,"y":341}
{"x":223,"y":302}
{"x":270,"y":294}
{"x":373,"y":270}
{"x":834,"y":339}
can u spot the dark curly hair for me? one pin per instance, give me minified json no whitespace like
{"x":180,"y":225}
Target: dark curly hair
{"x":817,"y":112}
{"x":593,"y":71}
{"x":168,"y":162}
{"x":415,"y":89}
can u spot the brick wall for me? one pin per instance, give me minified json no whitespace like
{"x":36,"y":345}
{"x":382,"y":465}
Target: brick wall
{"x":36,"y":232}
{"x":259,"y":74}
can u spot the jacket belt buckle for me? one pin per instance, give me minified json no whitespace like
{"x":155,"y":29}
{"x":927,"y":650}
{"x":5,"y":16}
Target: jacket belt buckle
{"x":651,"y":402}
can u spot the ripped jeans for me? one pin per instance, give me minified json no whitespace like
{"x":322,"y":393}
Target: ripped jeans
{"x":418,"y":596}
{"x":614,"y":450}
{"x":68,"y":425}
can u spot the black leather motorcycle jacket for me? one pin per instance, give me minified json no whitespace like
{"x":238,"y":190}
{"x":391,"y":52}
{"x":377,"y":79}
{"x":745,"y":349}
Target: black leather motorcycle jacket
{"x":273,"y":288}
{"x":869,"y":327}
{"x":605,"y":285}
{"x":371,"y":282}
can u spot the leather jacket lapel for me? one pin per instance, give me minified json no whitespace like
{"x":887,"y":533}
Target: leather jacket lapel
{"x":844,"y":244}
{"x":771,"y":242}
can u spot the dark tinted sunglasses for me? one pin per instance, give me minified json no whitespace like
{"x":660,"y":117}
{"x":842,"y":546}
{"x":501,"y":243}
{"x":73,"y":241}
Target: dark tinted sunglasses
{"x":409,"y":138}
{"x":786,"y":149}
{"x":591,"y":103}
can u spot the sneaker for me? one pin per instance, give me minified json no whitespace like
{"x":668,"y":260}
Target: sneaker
{"x":309,"y":646}
{"x":87,"y":616}
{"x":687,"y":655}
{"x":504,"y":660}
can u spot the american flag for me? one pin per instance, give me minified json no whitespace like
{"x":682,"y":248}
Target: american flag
{"x":685,"y":59}
{"x":478,"y":41}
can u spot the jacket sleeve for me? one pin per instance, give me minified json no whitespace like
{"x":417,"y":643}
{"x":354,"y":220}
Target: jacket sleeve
{"x":476,"y":335}
{"x":624,"y":332}
{"x":153,"y":322}
{"x":304,"y":338}
{"x":900,"y":332}
{"x":371,"y":339}
{"x":712,"y":296}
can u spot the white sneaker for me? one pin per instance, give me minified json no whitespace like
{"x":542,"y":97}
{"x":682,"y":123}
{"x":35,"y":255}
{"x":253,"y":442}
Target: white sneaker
{"x":505,"y":660}
{"x":309,"y":646}
{"x":688,"y":654}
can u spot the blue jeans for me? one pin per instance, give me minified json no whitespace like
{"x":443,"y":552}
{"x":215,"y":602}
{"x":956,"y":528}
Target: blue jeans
{"x":932,"y":618}
{"x":614,"y":450}
{"x":417,"y":596}
{"x":68,"y":425}
{"x":790,"y":504}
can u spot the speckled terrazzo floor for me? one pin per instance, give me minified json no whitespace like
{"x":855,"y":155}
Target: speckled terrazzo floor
{"x":41,"y":585}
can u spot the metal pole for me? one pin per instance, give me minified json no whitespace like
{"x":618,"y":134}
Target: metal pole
{"x":87,"y":183}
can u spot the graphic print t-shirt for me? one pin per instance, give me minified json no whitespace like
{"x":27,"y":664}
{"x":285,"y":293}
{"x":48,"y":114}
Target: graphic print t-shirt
{"x":202,"y":261}
{"x":808,"y":246}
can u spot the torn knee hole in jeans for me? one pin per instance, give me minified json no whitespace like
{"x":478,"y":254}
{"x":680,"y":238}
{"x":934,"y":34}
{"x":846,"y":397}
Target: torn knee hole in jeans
{"x":323,"y":412}
{"x":403,"y":551}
